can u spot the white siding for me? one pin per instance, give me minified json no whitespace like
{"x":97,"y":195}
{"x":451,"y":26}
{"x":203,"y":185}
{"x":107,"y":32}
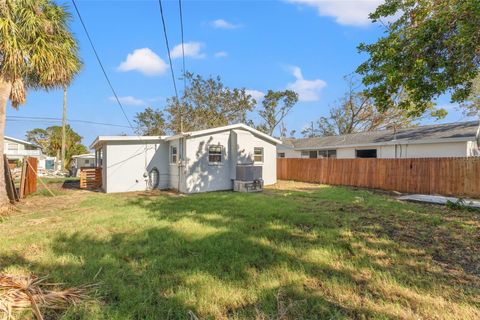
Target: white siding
{"x":427,"y":150}
{"x":420,"y":150}
{"x":246,"y":142}
{"x":201,"y":175}
{"x":125,"y":163}
{"x":472,"y":149}
{"x":345,"y":153}
{"x":238,"y":147}
{"x":289,"y":152}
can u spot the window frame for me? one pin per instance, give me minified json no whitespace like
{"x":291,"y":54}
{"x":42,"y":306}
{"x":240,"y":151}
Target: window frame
{"x":327,"y":153}
{"x":216,"y":154}
{"x":372,"y":151}
{"x":281,"y":155}
{"x":262,"y":155}
{"x":172,"y":155}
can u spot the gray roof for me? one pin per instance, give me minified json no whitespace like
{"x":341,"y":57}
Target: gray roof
{"x":456,"y":131}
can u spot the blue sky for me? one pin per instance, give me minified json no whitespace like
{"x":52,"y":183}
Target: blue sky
{"x":306,"y":45}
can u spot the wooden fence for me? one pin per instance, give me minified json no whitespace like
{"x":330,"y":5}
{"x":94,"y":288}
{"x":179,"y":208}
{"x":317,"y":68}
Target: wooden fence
{"x":444,"y":176}
{"x":90,"y":178}
{"x":28,"y":182}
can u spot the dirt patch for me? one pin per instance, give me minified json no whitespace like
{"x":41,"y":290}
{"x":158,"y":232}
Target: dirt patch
{"x":295,"y":185}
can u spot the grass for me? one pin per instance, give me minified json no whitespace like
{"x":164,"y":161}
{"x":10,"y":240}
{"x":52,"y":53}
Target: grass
{"x":298,"y":252}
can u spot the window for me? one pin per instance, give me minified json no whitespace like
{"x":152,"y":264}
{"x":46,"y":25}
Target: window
{"x":258,"y":155}
{"x":327,"y":153}
{"x":305,"y":154}
{"x":215,"y":154}
{"x":366,"y":153}
{"x":312,"y":154}
{"x":12,"y":146}
{"x":87,"y":161}
{"x":173,"y":155}
{"x":281,"y":155}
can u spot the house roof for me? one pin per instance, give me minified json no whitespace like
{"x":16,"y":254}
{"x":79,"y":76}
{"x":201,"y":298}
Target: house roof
{"x":100,"y":140}
{"x":22,"y":142}
{"x":225,"y":128}
{"x":449,"y":132}
{"x":85,"y":155}
{"x":103,"y":139}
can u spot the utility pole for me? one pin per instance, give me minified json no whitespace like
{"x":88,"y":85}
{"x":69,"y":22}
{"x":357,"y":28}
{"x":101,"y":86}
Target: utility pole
{"x":64,"y":129}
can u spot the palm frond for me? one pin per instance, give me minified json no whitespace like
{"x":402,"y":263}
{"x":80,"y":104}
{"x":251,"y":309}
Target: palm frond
{"x":20,"y":293}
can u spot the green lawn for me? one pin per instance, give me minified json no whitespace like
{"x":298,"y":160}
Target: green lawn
{"x":304,"y":253}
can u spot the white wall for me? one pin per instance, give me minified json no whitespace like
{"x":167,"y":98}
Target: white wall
{"x":238,"y":146}
{"x":125,"y":163}
{"x":289,"y":152}
{"x":201,"y":175}
{"x":246,"y":141}
{"x":421,"y":150}
{"x":472,"y":149}
{"x":427,"y":150}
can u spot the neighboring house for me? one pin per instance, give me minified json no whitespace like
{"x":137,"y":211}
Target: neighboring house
{"x":441,"y":140}
{"x":190,"y":162}
{"x":17,"y":149}
{"x":81,"y":161}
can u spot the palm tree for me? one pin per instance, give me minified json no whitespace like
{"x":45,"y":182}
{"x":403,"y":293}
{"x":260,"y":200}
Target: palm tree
{"x":37,"y":51}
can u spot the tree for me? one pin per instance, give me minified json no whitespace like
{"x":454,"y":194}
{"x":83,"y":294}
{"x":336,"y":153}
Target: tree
{"x":207,"y":103}
{"x":37,"y":50}
{"x":356,"y":112}
{"x":150,"y":122}
{"x":50,"y":139}
{"x":275,"y":107}
{"x":471,"y":107}
{"x":433,"y":48}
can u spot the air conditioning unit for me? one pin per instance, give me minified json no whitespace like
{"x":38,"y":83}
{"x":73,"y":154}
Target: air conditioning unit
{"x":248,"y":173}
{"x":248,"y":179}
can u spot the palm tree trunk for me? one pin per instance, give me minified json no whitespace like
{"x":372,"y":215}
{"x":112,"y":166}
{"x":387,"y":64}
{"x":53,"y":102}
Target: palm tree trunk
{"x":64,"y":123}
{"x":5,"y":89}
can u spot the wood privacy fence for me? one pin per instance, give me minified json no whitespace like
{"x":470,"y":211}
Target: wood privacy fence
{"x":444,"y":176}
{"x":90,"y":178}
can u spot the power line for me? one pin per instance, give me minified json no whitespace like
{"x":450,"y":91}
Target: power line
{"x":168,"y":48}
{"x":53,"y":120}
{"x":101,"y":65}
{"x":170,"y":60}
{"x":183,"y":46}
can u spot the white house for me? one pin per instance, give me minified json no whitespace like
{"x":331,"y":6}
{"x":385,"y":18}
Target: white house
{"x":441,"y":140}
{"x":190,"y":162}
{"x":81,"y":161}
{"x":17,"y":149}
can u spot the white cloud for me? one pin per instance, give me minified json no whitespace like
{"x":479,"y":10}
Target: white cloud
{"x":220,"y":54}
{"x":192,"y":49}
{"x":308,"y":90}
{"x":257,"y":95}
{"x":223,"y":24}
{"x":128,"y":101}
{"x":345,"y":12}
{"x":145,"y":61}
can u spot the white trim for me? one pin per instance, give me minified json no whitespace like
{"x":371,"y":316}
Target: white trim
{"x":102,"y":139}
{"x":84,"y":156}
{"x":225,"y":128}
{"x":21,"y":141}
